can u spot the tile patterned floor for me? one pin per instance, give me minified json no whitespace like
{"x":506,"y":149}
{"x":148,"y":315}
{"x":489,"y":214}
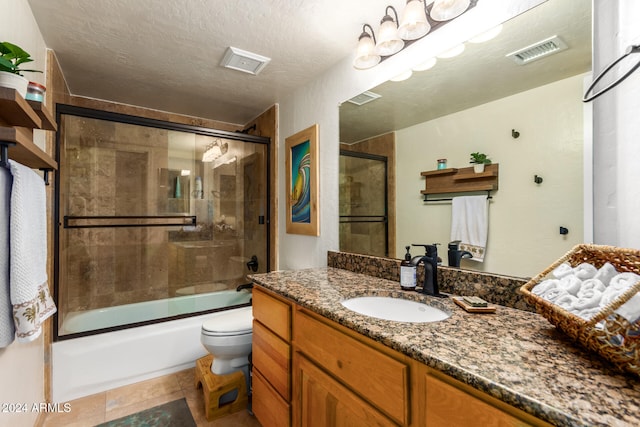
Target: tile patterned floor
{"x":112,"y":404}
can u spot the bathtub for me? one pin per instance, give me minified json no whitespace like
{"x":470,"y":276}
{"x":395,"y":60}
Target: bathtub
{"x":88,"y":365}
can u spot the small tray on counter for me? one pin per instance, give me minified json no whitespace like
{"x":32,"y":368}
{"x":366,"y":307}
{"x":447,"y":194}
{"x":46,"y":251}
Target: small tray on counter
{"x":472,"y":309}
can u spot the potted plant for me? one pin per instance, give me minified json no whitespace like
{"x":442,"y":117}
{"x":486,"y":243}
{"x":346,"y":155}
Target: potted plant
{"x":11,"y":58}
{"x":479,"y":160}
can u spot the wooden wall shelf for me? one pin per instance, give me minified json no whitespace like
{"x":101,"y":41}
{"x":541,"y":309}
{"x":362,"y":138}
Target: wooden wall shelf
{"x":48,"y":121}
{"x":18,"y":118}
{"x":15,"y":110}
{"x":461,"y":180}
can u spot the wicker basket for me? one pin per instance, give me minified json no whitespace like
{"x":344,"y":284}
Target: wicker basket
{"x":607,"y":333}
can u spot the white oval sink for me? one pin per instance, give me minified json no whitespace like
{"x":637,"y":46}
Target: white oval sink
{"x":398,"y":309}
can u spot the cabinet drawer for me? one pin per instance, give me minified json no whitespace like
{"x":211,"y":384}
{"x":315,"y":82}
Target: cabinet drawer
{"x":448,"y":404}
{"x":267,"y":405}
{"x":272,"y":357}
{"x":272,"y":312}
{"x":380,"y":379}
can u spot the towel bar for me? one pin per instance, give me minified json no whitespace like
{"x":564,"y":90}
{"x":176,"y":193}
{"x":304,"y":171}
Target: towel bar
{"x":4,"y":159}
{"x":448,"y":199}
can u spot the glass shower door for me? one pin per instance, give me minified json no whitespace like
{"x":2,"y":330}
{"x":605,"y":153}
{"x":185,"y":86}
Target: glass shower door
{"x":363,"y":204}
{"x":155,"y":223}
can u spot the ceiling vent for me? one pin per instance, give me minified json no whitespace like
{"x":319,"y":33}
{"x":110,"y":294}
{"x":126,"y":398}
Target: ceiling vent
{"x":241,"y":60}
{"x":538,"y":50}
{"x":364,"y":97}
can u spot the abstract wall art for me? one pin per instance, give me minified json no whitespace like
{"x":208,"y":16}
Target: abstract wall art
{"x":301,"y":164}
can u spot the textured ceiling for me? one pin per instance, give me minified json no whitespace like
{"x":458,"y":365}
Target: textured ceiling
{"x":165,"y":54}
{"x":480,"y":75}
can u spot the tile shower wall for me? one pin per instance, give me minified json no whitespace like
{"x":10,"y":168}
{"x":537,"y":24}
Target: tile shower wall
{"x":118,"y":171}
{"x":104,"y":178}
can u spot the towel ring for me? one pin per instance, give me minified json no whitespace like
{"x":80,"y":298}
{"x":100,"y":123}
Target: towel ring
{"x":631,"y":49}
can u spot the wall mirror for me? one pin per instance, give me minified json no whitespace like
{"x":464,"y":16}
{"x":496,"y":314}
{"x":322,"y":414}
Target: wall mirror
{"x":471,"y":103}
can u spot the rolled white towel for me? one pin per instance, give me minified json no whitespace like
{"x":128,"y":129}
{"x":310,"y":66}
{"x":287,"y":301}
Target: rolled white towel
{"x":553,"y":294}
{"x":617,"y":286}
{"x":566,"y":301}
{"x":590,"y":299}
{"x":544,"y":286}
{"x":590,"y":285}
{"x":585,"y":271}
{"x":571,"y":284}
{"x":588,"y":313}
{"x":562,"y":270}
{"x":624,"y":281}
{"x":606,"y":273}
{"x":630,"y":310}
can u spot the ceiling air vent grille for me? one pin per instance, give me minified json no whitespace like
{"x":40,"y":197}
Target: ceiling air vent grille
{"x":364,"y":97}
{"x":538,"y":50}
{"x":241,"y":60}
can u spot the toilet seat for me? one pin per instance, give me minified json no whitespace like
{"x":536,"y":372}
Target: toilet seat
{"x":229,"y":323}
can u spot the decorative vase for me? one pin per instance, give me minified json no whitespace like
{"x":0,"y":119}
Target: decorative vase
{"x":177,"y":193}
{"x":478,"y":167}
{"x":14,"y":81}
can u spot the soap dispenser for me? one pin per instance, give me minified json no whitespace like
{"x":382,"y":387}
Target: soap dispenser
{"x":407,"y":273}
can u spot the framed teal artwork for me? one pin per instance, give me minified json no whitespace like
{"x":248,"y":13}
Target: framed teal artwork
{"x":301,"y":164}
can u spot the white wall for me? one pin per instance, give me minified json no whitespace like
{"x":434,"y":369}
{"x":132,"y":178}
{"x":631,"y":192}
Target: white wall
{"x":524,"y":217}
{"x":22,"y":365}
{"x":616,"y":129}
{"x":318,"y":102}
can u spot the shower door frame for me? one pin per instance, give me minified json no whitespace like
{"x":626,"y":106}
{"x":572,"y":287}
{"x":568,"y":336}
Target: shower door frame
{"x":347,"y":219}
{"x":72,"y":110}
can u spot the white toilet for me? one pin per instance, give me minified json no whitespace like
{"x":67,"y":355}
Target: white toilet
{"x":227,"y":336}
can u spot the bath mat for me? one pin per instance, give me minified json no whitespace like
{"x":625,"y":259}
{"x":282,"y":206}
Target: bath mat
{"x":172,"y":414}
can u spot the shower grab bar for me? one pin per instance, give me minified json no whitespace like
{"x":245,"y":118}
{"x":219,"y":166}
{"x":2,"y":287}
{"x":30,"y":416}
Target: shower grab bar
{"x":128,"y":221}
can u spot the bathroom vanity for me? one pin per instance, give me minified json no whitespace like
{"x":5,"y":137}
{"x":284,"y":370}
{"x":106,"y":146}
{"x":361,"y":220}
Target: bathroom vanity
{"x":318,"y":363}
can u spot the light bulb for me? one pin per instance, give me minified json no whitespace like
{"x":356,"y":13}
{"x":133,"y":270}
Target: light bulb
{"x":388,"y":41}
{"x":365,"y":54}
{"x":413,"y":24}
{"x":445,"y":10}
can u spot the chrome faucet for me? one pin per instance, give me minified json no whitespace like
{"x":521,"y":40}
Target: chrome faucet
{"x":455,"y":254}
{"x":430,"y":261}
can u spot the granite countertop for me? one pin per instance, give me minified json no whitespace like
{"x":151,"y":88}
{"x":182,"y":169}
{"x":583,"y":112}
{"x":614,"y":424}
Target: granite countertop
{"x":513,"y":355}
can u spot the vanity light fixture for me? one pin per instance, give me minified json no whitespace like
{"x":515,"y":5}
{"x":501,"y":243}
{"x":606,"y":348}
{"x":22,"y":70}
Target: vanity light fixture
{"x":394,"y":35}
{"x":414,"y":23}
{"x":445,"y":10}
{"x":366,"y":56}
{"x":214,"y":150}
{"x":389,"y":43}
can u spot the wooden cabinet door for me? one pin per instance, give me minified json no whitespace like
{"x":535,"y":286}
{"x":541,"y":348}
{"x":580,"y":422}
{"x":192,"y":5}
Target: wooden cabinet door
{"x":323,"y":402}
{"x":380,"y":379}
{"x":450,"y":403}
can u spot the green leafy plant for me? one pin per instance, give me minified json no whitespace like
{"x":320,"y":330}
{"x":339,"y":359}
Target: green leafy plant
{"x":12,"y":56}
{"x":480,"y":158}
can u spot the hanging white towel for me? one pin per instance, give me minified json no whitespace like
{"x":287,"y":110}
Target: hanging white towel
{"x":470,"y":224}
{"x":7,"y":330}
{"x":30,"y":296}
